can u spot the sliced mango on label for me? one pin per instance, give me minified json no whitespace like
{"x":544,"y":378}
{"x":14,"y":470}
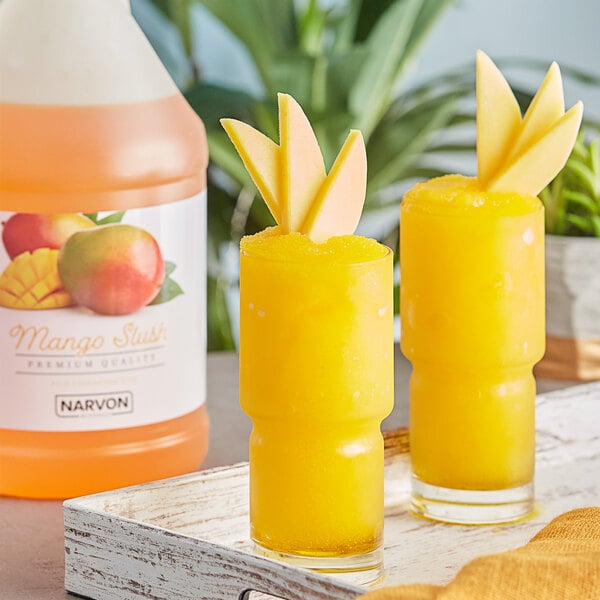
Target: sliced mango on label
{"x":338,"y":203}
{"x":31,"y":281}
{"x":261,"y":157}
{"x":302,"y":167}
{"x":535,"y":168}
{"x":498,"y":117}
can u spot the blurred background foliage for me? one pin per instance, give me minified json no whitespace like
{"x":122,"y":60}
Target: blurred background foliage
{"x":572,"y":200}
{"x":345,"y":64}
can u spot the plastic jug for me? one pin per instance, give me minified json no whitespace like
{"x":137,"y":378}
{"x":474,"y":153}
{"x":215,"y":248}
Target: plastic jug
{"x":102,"y":260}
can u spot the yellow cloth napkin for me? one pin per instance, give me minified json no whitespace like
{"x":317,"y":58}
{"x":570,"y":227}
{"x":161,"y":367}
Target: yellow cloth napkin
{"x":562,"y":562}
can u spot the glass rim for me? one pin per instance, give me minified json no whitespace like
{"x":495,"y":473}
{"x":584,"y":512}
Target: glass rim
{"x":355,"y":264}
{"x":447,"y":211}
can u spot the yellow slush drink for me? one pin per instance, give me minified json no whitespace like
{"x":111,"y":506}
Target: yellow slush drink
{"x":316,"y":377}
{"x":472,"y":308}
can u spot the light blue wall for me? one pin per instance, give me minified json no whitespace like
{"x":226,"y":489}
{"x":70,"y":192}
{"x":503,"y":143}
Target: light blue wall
{"x":567,"y":31}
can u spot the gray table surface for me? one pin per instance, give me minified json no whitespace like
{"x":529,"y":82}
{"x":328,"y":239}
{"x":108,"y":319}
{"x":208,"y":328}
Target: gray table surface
{"x":31,"y":531}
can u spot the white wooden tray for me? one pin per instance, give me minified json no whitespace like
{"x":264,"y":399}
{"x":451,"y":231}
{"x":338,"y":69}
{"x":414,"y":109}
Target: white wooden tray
{"x":187,"y":537}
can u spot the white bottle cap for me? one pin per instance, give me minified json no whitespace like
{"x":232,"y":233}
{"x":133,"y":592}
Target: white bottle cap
{"x":76,"y":52}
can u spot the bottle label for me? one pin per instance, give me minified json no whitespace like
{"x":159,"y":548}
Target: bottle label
{"x":102,"y":317}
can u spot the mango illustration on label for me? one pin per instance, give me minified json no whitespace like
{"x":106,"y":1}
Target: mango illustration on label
{"x":26,"y":231}
{"x":112,"y":269}
{"x":31,"y":281}
{"x":101,"y":264}
{"x":292,"y":179}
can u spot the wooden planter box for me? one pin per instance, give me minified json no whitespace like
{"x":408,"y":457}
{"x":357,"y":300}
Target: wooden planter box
{"x":572,"y":309}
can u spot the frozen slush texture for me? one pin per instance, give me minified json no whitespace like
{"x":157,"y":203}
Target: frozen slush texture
{"x":472,"y":309}
{"x":316,"y":377}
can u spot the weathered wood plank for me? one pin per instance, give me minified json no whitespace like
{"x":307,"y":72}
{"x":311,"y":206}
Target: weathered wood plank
{"x":188,"y":538}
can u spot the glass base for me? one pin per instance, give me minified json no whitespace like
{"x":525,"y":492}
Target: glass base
{"x":471,"y":507}
{"x":362,"y":569}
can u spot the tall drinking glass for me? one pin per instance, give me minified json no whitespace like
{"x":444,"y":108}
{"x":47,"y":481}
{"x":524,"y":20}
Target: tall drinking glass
{"x":472,"y":309}
{"x":316,"y":377}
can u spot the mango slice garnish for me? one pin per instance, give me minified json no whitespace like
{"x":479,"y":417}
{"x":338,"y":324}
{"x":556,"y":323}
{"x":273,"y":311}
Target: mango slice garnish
{"x":336,"y":208}
{"x":517,"y":154}
{"x":302,"y":168}
{"x":31,"y":281}
{"x":261,"y":157}
{"x":292,"y":179}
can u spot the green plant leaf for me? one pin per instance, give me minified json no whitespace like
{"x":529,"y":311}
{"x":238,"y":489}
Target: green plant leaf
{"x":331,"y":129}
{"x":213,"y":102}
{"x":219,"y":335}
{"x":342,"y":72}
{"x":397,"y":144}
{"x":265,"y":114}
{"x":169,"y":267}
{"x":396,"y":299}
{"x":426,"y":172}
{"x":170,"y":289}
{"x":220,"y":207}
{"x":265,"y":27}
{"x":259,"y":217}
{"x":293,"y":74}
{"x":179,"y":11}
{"x":582,"y":200}
{"x":368,"y":14}
{"x":223,"y":154}
{"x":165,"y":37}
{"x":468,"y":147}
{"x":386,"y":43}
{"x":594,"y":150}
{"x":586,"y":177}
{"x":162,"y":5}
{"x":380,"y":222}
{"x":583,"y":224}
{"x":393,"y":41}
{"x":115,"y":217}
{"x":553,"y":200}
{"x":427,"y":17}
{"x":572,"y":199}
{"x":312,"y":28}
{"x":343,"y":24}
